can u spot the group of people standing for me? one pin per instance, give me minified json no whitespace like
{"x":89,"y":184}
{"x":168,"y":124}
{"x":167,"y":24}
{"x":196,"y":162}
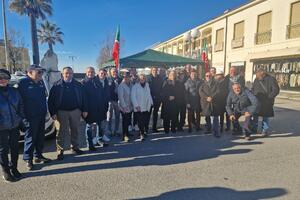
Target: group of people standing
{"x":102,"y":97}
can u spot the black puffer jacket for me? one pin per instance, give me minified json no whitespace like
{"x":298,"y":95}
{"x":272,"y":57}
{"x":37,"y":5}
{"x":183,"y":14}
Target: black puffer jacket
{"x":56,"y":95}
{"x":11,"y":108}
{"x":96,"y":101}
{"x":265,"y":91}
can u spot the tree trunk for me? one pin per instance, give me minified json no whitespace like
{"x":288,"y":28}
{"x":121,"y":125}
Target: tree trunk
{"x":34,"y":40}
{"x":50,"y":47}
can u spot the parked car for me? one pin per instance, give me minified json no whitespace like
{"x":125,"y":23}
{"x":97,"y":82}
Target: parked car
{"x":50,"y":130}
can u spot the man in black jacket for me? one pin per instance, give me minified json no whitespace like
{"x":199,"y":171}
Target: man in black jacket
{"x":192,"y":98}
{"x":265,"y":88}
{"x":181,"y":101}
{"x":67,"y":102}
{"x":95,"y":95}
{"x":155,"y":82}
{"x":113,"y":109}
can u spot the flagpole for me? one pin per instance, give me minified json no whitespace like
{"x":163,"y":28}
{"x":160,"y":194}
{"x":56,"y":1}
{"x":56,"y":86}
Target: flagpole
{"x":5,"y":36}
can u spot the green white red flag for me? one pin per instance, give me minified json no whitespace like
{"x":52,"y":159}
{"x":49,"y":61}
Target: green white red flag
{"x":204,"y":56}
{"x":116,"y":49}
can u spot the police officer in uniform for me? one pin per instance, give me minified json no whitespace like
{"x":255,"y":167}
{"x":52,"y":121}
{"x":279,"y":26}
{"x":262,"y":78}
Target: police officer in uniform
{"x":33,"y":92}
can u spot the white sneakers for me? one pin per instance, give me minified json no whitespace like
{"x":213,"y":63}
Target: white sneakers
{"x":105,"y":138}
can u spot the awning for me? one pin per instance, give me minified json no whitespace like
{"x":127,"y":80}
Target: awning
{"x":149,"y":58}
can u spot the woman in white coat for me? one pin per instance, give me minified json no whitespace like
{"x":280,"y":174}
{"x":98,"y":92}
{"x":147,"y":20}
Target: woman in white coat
{"x":142,"y":101}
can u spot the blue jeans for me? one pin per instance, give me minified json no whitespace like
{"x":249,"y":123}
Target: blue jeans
{"x":216,"y":125}
{"x":113,"y":108}
{"x":89,"y":134}
{"x":265,"y":124}
{"x":89,"y":131}
{"x":34,"y":138}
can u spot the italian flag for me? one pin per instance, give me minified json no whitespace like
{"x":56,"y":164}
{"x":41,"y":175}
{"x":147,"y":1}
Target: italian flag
{"x":204,"y":56}
{"x":116,"y":49}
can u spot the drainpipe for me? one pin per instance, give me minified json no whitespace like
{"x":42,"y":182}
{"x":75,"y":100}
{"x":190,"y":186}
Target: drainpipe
{"x":225,"y":43}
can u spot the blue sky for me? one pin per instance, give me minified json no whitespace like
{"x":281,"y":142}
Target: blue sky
{"x":86,"y":24}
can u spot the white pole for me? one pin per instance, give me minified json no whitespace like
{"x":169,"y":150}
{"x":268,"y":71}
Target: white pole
{"x":5,"y":36}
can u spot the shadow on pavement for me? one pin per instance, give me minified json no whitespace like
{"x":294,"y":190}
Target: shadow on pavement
{"x":157,"y":150}
{"x":218,"y":193}
{"x":163,"y":150}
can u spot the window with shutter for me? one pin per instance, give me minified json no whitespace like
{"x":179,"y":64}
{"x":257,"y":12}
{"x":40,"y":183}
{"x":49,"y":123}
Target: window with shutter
{"x":264,"y":28}
{"x":294,"y":27}
{"x":219,"y":39}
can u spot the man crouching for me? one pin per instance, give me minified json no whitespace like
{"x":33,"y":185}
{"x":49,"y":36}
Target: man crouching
{"x":241,"y":102}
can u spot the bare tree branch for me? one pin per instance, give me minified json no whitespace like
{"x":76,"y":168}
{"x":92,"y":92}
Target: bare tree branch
{"x":106,"y":47}
{"x":16,"y":49}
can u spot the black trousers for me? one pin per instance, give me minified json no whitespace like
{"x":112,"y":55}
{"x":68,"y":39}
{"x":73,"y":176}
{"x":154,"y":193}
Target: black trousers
{"x":208,"y":123}
{"x":228,"y":122}
{"x":154,"y":110}
{"x":142,"y":121}
{"x":182,"y":114}
{"x":194,"y":117}
{"x":9,"y":142}
{"x":135,"y":119}
{"x":126,"y":121}
{"x":167,"y":123}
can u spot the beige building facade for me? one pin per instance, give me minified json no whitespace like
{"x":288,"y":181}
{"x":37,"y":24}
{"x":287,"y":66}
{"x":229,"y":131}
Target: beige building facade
{"x":21,"y":64}
{"x":261,"y":33}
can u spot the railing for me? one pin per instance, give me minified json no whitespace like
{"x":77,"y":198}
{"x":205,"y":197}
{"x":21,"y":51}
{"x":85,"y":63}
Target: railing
{"x":237,"y":42}
{"x":219,"y":47}
{"x":263,"y":38}
{"x":293,"y":31}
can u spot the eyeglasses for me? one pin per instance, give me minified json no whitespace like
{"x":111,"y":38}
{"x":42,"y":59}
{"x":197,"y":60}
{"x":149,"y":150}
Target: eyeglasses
{"x":40,"y":72}
{"x":4,"y":77}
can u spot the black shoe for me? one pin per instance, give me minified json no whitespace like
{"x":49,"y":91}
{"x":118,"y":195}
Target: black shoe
{"x":198,"y":129}
{"x":16,"y":174}
{"x":29,"y":164}
{"x":92,"y":148}
{"x":60,"y":156}
{"x":42,"y":159}
{"x":207,"y":131}
{"x":77,"y":151}
{"x":180,"y":129}
{"x":8,"y":177}
{"x":190,"y":130}
{"x":236,"y":132}
{"x":217,"y":135}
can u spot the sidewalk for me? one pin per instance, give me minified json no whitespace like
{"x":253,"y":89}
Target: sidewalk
{"x":289,"y":95}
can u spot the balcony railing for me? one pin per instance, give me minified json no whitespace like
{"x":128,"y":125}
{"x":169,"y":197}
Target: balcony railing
{"x":237,"y":42}
{"x":293,"y":31}
{"x":219,"y":47}
{"x":263,"y":38}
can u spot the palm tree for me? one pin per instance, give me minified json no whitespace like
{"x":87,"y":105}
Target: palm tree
{"x":49,"y":33}
{"x":34,"y":9}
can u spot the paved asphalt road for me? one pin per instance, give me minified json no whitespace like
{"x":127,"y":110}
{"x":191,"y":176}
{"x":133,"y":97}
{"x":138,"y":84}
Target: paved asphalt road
{"x":181,"y":166}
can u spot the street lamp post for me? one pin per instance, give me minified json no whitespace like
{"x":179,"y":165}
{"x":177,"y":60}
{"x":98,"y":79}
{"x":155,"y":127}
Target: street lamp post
{"x":5,"y":36}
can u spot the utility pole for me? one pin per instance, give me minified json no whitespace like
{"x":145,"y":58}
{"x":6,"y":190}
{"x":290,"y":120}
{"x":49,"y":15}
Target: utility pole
{"x":73,"y":58}
{"x":5,"y":37}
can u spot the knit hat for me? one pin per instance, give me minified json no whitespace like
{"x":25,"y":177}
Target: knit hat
{"x":4,"y":74}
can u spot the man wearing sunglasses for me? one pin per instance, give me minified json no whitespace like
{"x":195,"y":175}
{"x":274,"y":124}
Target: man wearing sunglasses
{"x":33,"y":92}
